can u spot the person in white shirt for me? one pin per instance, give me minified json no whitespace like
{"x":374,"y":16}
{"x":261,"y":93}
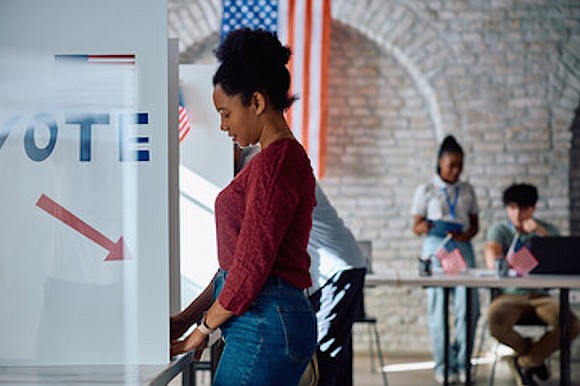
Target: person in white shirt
{"x":447,"y":198}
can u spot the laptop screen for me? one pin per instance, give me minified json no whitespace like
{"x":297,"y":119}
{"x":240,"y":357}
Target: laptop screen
{"x":556,"y":255}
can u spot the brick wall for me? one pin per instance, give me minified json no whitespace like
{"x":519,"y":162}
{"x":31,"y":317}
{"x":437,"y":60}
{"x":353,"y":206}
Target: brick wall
{"x":503,"y":76}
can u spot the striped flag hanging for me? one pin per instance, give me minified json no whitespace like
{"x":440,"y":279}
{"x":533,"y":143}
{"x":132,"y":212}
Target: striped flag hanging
{"x":450,"y":257}
{"x":520,"y":257}
{"x":184,"y":126}
{"x":304,"y":26}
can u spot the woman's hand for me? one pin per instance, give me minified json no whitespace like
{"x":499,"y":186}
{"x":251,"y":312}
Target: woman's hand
{"x":460,"y":237}
{"x":178,"y":326}
{"x":180,"y":323}
{"x":464,"y":237}
{"x":195,"y":341}
{"x":421,"y":226}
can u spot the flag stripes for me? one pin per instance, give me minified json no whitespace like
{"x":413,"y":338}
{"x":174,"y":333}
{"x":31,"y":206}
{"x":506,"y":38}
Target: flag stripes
{"x":100,"y":59}
{"x":303,"y":25}
{"x":520,"y":258}
{"x":183,"y":120}
{"x":450,"y":256}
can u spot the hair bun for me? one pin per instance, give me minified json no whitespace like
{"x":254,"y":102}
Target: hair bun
{"x":259,"y":49}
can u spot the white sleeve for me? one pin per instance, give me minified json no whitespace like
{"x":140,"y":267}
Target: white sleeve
{"x":419,"y":206}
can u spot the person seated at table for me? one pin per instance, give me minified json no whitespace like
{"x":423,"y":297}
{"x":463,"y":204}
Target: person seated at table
{"x":447,"y":198}
{"x":513,"y":304}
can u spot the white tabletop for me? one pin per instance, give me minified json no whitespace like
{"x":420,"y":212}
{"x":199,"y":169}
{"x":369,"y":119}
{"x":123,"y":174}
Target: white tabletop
{"x":475,"y":277}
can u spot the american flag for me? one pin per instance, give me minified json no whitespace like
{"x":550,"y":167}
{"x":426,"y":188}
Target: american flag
{"x":450,"y":256}
{"x":304,"y":25}
{"x":520,"y":257}
{"x":184,"y":126}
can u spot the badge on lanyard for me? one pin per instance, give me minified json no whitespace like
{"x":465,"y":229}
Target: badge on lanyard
{"x":452,"y":205}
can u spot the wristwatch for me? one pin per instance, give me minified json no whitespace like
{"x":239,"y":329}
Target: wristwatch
{"x":204,"y":328}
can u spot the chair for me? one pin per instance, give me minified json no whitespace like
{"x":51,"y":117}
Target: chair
{"x":531,"y":321}
{"x":371,"y":322}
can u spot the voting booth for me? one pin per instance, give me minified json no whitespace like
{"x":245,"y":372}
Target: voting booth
{"x":206,"y":167}
{"x":84,"y":252}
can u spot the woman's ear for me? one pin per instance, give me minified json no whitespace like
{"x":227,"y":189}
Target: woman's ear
{"x":259,"y":102}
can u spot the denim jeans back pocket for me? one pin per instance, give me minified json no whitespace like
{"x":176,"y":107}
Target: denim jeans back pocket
{"x":299,"y":325}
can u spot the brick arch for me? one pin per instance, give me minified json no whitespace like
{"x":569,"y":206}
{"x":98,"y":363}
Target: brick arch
{"x":418,"y":47}
{"x":566,"y":92}
{"x":396,"y":26}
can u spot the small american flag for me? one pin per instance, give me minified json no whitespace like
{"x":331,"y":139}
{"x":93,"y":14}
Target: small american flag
{"x":520,"y":257}
{"x":450,"y":256}
{"x":184,"y":126}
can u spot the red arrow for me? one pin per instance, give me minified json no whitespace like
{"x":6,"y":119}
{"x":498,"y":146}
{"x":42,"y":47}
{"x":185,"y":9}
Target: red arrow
{"x":117,"y":251}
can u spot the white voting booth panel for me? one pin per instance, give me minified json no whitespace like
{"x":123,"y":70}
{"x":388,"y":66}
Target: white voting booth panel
{"x":206,"y":167}
{"x":83,"y":167}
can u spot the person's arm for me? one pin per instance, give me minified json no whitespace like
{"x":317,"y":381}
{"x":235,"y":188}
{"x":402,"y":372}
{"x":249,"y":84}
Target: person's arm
{"x":197,"y":340}
{"x":471,"y":232}
{"x":493,"y":252}
{"x":181,"y":322}
{"x":532,"y":226}
{"x":276,"y":186}
{"x":420,"y":225}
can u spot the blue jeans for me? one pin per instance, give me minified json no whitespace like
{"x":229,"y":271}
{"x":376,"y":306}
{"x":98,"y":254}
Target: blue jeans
{"x":272,"y":342}
{"x":458,"y":344}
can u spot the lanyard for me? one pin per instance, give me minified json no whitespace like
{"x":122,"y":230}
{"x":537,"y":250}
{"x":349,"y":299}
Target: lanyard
{"x":452,"y":205}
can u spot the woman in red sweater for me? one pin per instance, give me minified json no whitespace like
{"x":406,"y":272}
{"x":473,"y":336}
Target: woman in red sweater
{"x":263,"y":220}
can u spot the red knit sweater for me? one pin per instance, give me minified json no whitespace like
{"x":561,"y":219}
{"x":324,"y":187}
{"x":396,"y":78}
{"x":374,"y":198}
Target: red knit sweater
{"x":263,"y":220}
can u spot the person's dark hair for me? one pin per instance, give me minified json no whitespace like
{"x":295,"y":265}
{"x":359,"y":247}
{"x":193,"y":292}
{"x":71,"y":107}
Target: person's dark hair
{"x":523,"y":195}
{"x":254,"y":60}
{"x":449,"y":145}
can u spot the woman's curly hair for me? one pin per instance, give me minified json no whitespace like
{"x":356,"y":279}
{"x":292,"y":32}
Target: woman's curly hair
{"x":254,"y":60}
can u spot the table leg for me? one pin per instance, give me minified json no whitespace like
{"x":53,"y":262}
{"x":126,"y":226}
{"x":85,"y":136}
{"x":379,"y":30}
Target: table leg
{"x":188,"y":375}
{"x":446,"y":335}
{"x":468,"y":305}
{"x":564,"y":338}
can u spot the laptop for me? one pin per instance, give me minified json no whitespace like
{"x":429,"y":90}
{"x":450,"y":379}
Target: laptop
{"x":556,"y":255}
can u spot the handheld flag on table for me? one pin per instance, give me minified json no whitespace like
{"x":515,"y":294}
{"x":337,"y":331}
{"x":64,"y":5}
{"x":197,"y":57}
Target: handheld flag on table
{"x":450,"y":256}
{"x":304,"y":26}
{"x":184,"y":126}
{"x":520,"y":257}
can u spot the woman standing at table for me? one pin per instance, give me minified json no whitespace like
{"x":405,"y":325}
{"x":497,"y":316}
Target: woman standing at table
{"x":447,"y":198}
{"x":263,"y":221}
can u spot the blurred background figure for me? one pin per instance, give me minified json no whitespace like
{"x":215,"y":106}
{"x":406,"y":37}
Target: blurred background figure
{"x":514,"y":304}
{"x":447,"y":198}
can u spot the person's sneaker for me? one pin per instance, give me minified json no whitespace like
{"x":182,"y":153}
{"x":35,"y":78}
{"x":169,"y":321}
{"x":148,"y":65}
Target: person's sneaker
{"x":523,"y":377}
{"x":542,"y":372}
{"x":451,"y":378}
{"x":462,"y":377}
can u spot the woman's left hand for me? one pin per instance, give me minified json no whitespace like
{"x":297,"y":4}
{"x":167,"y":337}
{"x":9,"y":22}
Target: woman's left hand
{"x":194,"y":341}
{"x":460,"y":236}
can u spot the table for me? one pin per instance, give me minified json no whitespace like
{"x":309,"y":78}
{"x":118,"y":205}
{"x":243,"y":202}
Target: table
{"x":484,"y":278}
{"x":112,"y":375}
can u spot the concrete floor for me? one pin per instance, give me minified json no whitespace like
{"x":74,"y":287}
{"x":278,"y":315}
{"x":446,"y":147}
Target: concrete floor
{"x":423,"y":375}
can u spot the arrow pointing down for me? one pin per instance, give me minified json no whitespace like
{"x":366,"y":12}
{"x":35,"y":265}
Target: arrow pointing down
{"x":117,"y":251}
